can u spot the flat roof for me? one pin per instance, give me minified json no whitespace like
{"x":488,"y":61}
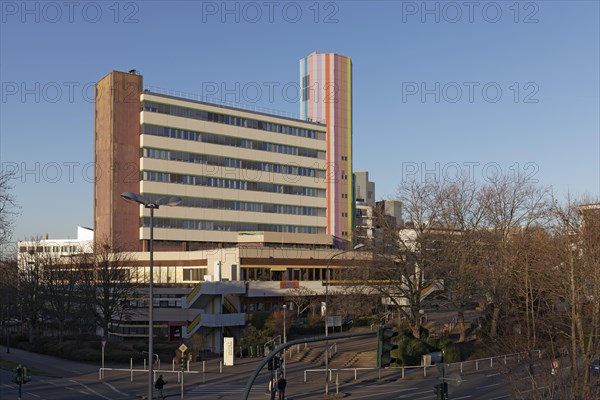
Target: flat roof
{"x":215,"y":103}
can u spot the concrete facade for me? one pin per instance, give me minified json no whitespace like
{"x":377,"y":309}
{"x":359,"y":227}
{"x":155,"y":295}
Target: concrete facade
{"x":236,"y":171}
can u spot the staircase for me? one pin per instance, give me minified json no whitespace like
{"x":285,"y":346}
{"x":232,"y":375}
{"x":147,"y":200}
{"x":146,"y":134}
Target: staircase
{"x":310,"y":356}
{"x":363,"y":359}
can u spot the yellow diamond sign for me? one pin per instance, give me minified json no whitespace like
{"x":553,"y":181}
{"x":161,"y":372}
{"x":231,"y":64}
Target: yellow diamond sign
{"x":183,"y":348}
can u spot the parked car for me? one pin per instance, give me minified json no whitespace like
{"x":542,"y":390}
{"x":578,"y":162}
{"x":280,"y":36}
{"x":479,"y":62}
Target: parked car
{"x":595,"y":367}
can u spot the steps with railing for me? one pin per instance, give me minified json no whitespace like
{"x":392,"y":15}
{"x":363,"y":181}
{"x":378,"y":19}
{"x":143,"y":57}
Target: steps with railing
{"x":213,"y":289}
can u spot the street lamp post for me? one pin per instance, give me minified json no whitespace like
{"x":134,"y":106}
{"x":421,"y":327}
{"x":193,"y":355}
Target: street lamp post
{"x":152,"y":205}
{"x":8,"y":321}
{"x":284,"y":339}
{"x":358,"y":246}
{"x":103,"y":346}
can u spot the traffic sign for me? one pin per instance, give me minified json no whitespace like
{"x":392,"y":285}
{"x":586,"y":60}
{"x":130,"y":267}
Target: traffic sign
{"x":183,"y":348}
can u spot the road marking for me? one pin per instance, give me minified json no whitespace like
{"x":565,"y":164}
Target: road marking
{"x":404,"y":396}
{"x":115,"y":389}
{"x":34,"y":395}
{"x":463,"y":397}
{"x":487,"y":386}
{"x":90,"y":389}
{"x":218,"y":389}
{"x":501,"y":397}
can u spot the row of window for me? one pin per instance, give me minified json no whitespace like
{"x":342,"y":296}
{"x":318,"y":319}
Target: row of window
{"x":50,"y":249}
{"x":204,"y":225}
{"x":222,"y":140}
{"x":228,"y":162}
{"x":165,"y":177}
{"x":229,"y":120}
{"x":235,"y":205}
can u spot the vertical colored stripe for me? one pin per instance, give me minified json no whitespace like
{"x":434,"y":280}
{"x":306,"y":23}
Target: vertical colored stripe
{"x":330,"y":101}
{"x":303,"y":72}
{"x":350,"y":149}
{"x":342,"y":143}
{"x":311,"y":101}
{"x":330,"y":208}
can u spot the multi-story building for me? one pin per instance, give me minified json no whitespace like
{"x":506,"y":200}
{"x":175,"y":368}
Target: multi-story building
{"x":236,"y":171}
{"x":392,"y":209}
{"x":364,"y":190}
{"x":260,"y":214}
{"x":364,"y":194}
{"x":326,"y":94}
{"x":56,"y":248}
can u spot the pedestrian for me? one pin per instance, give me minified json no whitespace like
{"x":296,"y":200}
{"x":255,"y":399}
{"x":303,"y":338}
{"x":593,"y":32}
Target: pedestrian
{"x":281,"y":384}
{"x":159,"y":385}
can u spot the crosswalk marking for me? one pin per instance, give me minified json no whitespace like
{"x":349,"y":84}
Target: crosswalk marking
{"x":210,"y":389}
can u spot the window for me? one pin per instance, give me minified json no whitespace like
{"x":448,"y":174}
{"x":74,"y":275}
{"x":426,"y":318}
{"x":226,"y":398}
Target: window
{"x":191,"y":274}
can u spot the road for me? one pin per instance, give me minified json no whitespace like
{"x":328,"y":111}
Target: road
{"x":79,"y":381}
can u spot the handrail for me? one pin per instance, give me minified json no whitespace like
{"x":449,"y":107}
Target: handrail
{"x":229,"y":306}
{"x":273,"y":340}
{"x":192,"y":325}
{"x":409,"y":367}
{"x":190,"y":297}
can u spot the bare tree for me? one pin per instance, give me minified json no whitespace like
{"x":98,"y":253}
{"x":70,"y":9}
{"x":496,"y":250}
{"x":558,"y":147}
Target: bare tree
{"x":463,"y":251}
{"x":109,"y":286}
{"x":578,"y":226}
{"x":30,"y":288}
{"x":302,"y":297}
{"x":403,"y":259}
{"x":8,"y":290}
{"x":8,"y":208}
{"x":510,"y":205}
{"x":62,"y":280}
{"x":353,"y":301}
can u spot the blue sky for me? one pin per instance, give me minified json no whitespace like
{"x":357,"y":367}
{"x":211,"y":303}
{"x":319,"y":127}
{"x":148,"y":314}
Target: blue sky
{"x":486,"y":86}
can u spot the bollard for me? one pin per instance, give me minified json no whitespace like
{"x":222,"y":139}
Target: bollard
{"x":491,"y":362}
{"x":188,"y":365}
{"x":337,"y":383}
{"x":505,"y":359}
{"x":476,"y":365}
{"x":402,"y":372}
{"x":220,"y":367}
{"x":461,"y":369}
{"x":131,"y":368}
{"x":173,"y":365}
{"x":144,"y":363}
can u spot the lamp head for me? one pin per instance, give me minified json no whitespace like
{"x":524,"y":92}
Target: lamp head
{"x":130,"y":196}
{"x":169,"y":201}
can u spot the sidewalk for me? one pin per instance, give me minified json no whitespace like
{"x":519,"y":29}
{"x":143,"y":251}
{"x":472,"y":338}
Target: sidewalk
{"x":51,"y":366}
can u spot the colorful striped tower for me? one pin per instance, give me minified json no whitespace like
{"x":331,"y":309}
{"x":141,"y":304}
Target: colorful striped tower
{"x":326,"y":95}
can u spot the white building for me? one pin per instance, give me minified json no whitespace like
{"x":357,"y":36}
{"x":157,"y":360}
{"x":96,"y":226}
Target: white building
{"x":58,"y":247}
